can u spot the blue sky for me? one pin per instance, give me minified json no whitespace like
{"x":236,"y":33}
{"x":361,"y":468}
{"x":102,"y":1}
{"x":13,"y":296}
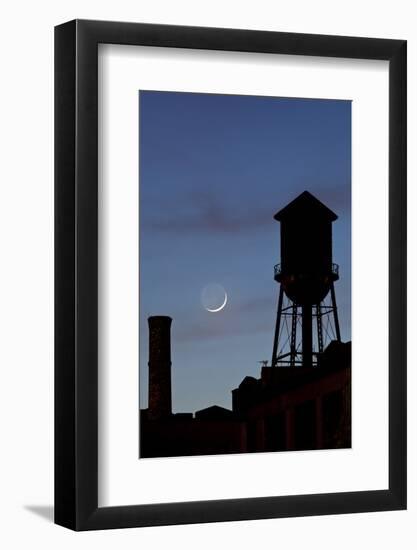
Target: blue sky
{"x":214,"y":169}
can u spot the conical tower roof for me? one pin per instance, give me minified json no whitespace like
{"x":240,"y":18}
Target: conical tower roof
{"x":305,"y":206}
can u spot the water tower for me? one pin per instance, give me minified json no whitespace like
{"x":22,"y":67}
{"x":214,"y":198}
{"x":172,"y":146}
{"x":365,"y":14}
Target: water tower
{"x":306,"y":276}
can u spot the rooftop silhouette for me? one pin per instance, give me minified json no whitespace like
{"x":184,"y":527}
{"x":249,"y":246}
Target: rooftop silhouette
{"x":302,"y":400}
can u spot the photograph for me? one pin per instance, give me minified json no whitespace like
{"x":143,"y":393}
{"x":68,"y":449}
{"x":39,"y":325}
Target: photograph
{"x":244,"y":274}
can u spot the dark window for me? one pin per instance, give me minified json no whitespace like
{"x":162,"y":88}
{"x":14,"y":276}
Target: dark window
{"x":275,"y":432}
{"x":305,"y":426}
{"x":336,"y":421}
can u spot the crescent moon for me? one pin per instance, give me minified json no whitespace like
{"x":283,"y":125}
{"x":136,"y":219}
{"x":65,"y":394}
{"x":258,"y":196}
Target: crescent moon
{"x":218,"y":308}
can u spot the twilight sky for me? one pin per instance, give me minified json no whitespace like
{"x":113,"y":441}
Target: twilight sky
{"x":214,"y":169}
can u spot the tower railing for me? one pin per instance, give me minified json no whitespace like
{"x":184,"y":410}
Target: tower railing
{"x":278,"y":270}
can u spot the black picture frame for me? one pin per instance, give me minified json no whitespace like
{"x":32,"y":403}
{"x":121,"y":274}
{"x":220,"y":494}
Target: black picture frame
{"x":76,"y":271}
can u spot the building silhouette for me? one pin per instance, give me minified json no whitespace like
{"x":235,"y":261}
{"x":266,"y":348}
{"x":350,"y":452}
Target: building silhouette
{"x":302,"y":400}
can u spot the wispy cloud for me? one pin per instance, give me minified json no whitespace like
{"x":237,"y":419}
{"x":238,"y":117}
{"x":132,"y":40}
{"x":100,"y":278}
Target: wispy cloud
{"x":251,"y":316}
{"x":259,"y":304}
{"x":199,"y":332}
{"x":204,"y":212}
{"x":336,"y":197}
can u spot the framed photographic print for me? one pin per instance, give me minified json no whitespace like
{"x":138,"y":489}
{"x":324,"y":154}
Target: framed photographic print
{"x":230,"y":275}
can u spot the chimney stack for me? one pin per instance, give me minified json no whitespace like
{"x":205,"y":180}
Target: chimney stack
{"x":160,"y":405}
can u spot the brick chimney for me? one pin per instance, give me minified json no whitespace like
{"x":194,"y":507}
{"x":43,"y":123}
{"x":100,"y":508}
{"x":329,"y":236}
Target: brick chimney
{"x":160,"y":404}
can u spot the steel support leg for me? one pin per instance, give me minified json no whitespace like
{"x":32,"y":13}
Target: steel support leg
{"x":336,"y":318}
{"x":277,"y":327}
